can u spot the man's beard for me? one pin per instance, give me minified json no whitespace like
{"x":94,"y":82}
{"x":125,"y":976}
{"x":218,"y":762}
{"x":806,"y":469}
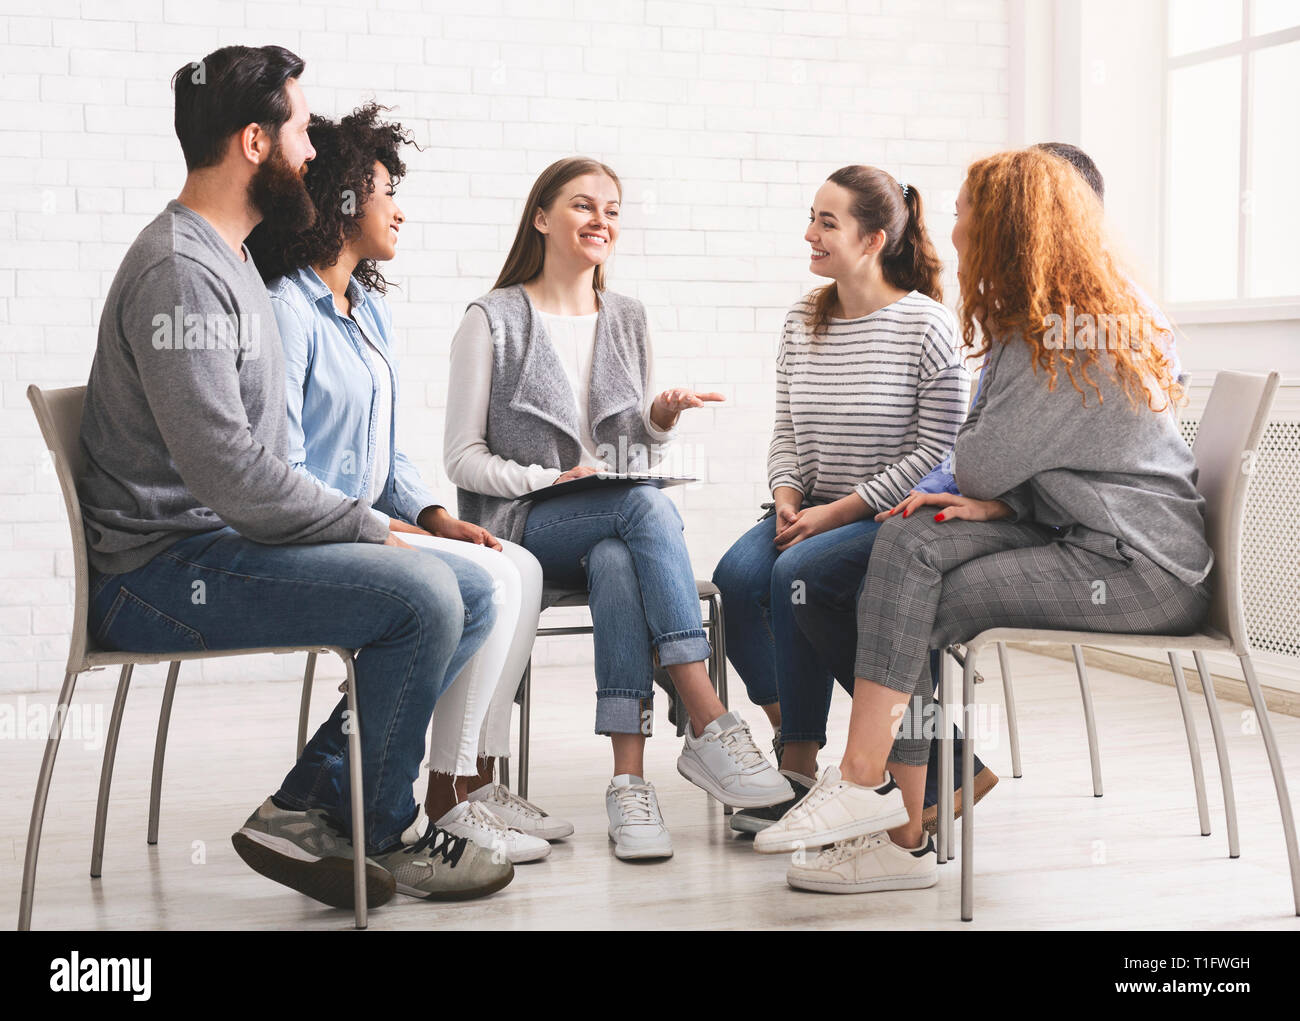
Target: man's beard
{"x":278,"y":193}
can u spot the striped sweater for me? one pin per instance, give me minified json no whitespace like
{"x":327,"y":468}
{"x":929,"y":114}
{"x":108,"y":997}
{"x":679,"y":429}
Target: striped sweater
{"x":870,"y":406}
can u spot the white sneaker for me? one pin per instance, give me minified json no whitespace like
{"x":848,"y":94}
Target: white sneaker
{"x":834,"y":810}
{"x":635,"y":824}
{"x":478,"y":823}
{"x":725,"y":762}
{"x":867,"y":864}
{"x":519,"y":814}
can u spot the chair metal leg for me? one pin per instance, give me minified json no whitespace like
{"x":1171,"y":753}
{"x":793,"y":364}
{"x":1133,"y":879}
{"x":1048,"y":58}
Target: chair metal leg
{"x":718,"y":659}
{"x":1089,"y":719}
{"x":968,"y":790}
{"x":525,"y":721}
{"x":358,"y":798}
{"x":160,"y":749}
{"x":943,"y":828}
{"x":1013,"y":728}
{"x":1193,"y":743}
{"x":1279,"y":777}
{"x":42,"y":793}
{"x":305,"y":705}
{"x":106,"y":771}
{"x":1220,"y":747}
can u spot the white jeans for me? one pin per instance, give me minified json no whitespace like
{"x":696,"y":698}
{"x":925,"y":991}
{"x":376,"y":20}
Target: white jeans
{"x":472,"y":717}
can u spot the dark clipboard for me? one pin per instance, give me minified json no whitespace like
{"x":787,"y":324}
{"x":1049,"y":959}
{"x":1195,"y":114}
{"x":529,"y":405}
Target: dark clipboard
{"x":609,"y":478}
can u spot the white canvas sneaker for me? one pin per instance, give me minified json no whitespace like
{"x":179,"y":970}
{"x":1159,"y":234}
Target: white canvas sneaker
{"x":635,"y":823}
{"x":519,"y":814}
{"x":478,"y":823}
{"x":867,"y":864}
{"x":834,"y":810}
{"x":725,"y":762}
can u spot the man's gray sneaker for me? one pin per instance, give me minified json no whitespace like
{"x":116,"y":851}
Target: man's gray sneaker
{"x":304,"y":852}
{"x":439,"y":866}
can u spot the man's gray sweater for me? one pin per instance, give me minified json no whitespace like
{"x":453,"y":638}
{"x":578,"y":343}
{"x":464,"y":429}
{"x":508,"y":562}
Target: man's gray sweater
{"x":184,"y":428}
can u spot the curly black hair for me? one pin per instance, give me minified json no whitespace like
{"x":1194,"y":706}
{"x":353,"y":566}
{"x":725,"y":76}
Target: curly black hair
{"x":340,"y":181}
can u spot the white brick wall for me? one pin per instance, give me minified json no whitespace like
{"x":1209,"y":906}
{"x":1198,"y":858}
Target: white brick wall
{"x":721,"y":118}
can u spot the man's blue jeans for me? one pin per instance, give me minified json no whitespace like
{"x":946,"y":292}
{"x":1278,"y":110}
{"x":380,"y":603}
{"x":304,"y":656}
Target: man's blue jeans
{"x":415,"y":617}
{"x":624,"y":544}
{"x":816,"y":589}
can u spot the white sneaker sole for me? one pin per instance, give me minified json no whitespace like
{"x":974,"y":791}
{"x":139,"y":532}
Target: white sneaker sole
{"x":698,"y":775}
{"x":625,"y":852}
{"x":529,"y":854}
{"x":748,"y":824}
{"x":554,"y":833}
{"x":877,"y":885}
{"x":768,"y":842}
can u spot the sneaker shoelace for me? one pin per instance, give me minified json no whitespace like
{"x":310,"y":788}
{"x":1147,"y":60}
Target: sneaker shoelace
{"x":844,"y":849}
{"x":502,"y":795}
{"x":817,"y":795}
{"x":739,"y":743}
{"x":478,"y":814}
{"x":439,"y":841}
{"x":636,"y":803}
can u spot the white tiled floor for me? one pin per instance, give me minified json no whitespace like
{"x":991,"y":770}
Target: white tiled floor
{"x":1048,"y":854}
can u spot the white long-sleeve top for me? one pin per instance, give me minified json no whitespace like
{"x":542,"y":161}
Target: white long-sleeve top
{"x":470,"y":463}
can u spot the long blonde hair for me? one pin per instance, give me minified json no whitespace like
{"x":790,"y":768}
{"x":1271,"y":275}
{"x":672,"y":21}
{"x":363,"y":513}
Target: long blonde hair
{"x":1036,"y":253}
{"x":528,"y":253}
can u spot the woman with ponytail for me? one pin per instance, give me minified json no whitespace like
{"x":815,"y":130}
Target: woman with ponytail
{"x":870,"y":394}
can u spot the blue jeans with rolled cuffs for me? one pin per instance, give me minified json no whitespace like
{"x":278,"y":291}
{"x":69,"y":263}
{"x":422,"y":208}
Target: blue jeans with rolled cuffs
{"x":624,"y":544}
{"x":415,"y":616}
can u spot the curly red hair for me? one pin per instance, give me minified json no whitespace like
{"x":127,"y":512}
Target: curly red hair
{"x":1036,"y":249}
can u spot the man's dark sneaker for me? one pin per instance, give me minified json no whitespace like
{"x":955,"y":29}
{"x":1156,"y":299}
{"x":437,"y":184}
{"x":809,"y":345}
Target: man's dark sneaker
{"x":754,"y":820}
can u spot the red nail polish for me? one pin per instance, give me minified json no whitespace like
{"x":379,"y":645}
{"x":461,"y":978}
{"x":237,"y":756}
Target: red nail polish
{"x":938,"y":517}
{"x":906,"y":513}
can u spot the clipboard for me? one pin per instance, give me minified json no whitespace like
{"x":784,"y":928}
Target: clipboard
{"x":604,"y":479}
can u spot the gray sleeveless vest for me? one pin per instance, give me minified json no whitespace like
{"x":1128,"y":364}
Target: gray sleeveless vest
{"x":532,"y":416}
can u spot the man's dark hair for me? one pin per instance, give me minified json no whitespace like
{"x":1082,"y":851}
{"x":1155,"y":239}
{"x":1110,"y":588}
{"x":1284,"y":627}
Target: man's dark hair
{"x":340,"y":181}
{"x":1081,"y":162}
{"x":226,"y":91}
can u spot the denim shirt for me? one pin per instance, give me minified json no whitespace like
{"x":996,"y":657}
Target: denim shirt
{"x":331,"y":392}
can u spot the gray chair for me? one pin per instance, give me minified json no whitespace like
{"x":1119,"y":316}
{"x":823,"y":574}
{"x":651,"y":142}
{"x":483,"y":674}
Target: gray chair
{"x":58,"y":412}
{"x":556,"y":598}
{"x":1231,"y":426}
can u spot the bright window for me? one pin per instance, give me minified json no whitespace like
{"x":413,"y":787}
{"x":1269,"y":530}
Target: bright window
{"x":1232,"y":150}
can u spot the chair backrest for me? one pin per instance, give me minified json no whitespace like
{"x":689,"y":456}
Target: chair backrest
{"x":58,"y":413}
{"x":1226,"y":438}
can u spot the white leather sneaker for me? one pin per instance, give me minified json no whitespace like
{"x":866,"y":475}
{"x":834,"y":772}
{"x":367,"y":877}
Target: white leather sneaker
{"x":867,"y":864}
{"x":520,"y":814}
{"x":725,"y":762}
{"x":833,"y":810}
{"x":478,"y":823}
{"x":635,"y":823}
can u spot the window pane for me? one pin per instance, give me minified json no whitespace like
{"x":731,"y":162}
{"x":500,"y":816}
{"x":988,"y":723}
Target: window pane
{"x":1271,"y":15}
{"x":1199,"y":24}
{"x":1273,"y":203}
{"x":1204,"y":130}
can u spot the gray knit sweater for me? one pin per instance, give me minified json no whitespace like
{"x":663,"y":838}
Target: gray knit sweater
{"x":185,"y":428}
{"x":1108,"y":471}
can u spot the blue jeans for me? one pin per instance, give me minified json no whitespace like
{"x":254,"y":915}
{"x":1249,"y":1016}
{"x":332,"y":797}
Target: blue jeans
{"x":416,"y":617}
{"x":624,"y":544}
{"x":763,"y":592}
{"x":833,"y":571}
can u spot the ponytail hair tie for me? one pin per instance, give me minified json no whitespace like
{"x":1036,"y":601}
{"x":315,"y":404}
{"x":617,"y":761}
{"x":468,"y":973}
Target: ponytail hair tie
{"x":904,"y":187}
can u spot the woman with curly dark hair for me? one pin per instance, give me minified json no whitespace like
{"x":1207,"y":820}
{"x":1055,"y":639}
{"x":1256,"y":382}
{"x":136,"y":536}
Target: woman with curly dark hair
{"x":328,"y":295}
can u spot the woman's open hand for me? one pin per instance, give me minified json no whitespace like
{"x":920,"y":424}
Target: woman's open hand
{"x":580,"y":472}
{"x":671,"y":403}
